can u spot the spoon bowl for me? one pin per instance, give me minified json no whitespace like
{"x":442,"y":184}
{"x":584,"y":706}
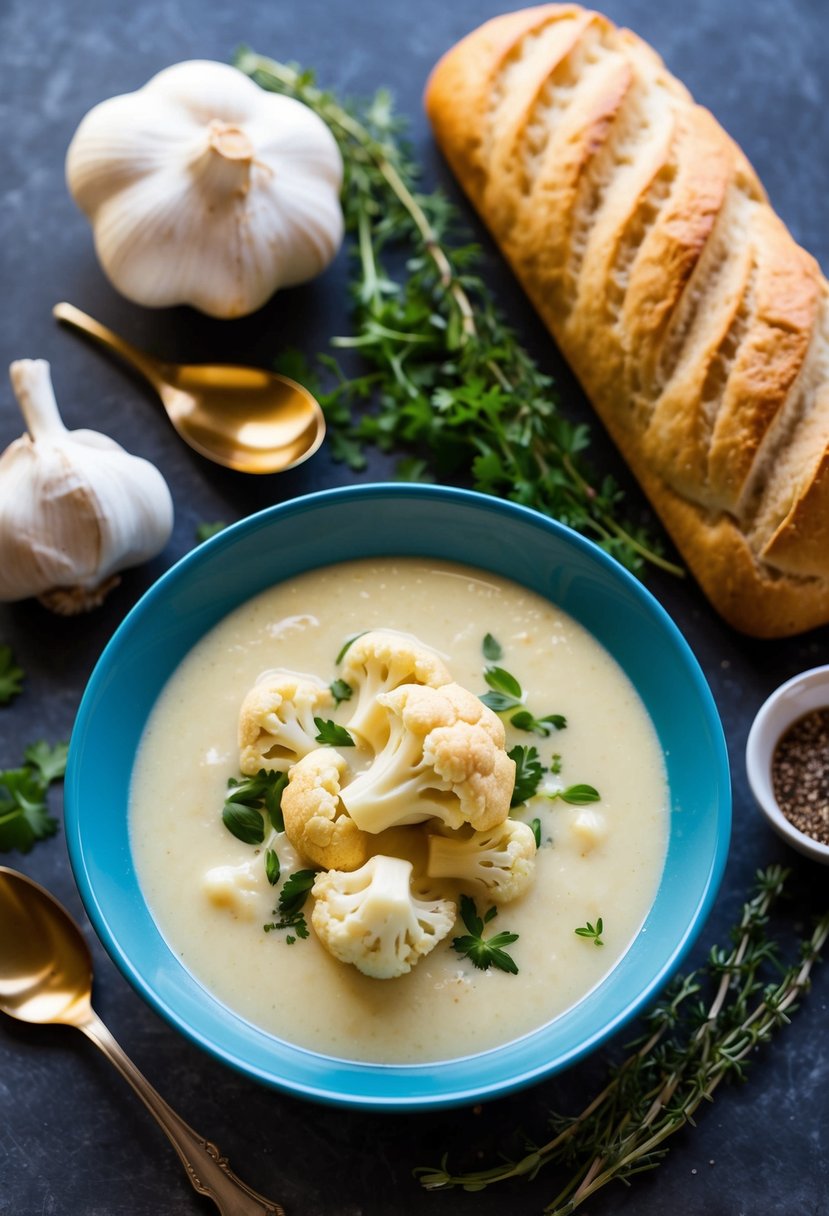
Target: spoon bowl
{"x":46,"y":977}
{"x":45,"y":966}
{"x":244,"y":418}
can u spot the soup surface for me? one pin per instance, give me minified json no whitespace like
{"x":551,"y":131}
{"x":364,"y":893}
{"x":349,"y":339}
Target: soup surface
{"x":603,"y":859}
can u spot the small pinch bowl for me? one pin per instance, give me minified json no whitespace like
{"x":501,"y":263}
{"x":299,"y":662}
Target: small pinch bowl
{"x":798,"y":696}
{"x":396,"y":521}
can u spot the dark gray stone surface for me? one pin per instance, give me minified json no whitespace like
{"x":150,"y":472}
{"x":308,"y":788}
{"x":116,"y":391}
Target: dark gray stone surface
{"x":73,"y":1140}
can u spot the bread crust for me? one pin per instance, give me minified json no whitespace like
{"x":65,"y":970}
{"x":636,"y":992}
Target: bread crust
{"x":697,"y":326}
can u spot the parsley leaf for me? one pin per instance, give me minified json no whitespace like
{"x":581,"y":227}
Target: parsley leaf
{"x":331,"y":734}
{"x":528,"y":773}
{"x":535,"y":824}
{"x":341,"y":691}
{"x":260,"y":793}
{"x":205,"y":531}
{"x":483,"y":952}
{"x":11,"y":676}
{"x":543,"y":727}
{"x":576,"y":795}
{"x":243,"y":822}
{"x":506,"y":694}
{"x":295,"y":891}
{"x":50,"y":762}
{"x":594,"y":932}
{"x":24,"y":816}
{"x":502,"y":681}
{"x":492,"y":649}
{"x":273,"y":801}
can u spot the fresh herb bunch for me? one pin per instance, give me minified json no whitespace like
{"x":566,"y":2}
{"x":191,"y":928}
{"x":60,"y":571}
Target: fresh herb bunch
{"x":703,"y":1031}
{"x":448,"y":378}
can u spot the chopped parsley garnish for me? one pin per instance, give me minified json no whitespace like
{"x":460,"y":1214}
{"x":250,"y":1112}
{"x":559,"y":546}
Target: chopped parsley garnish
{"x":535,"y":824}
{"x":250,"y":796}
{"x":11,"y":676}
{"x":341,"y":691}
{"x":492,"y":649}
{"x":24,"y":814}
{"x":593,"y":932}
{"x":329,"y":733}
{"x":292,"y":897}
{"x":528,"y":773}
{"x":483,"y":952}
{"x":576,"y":795}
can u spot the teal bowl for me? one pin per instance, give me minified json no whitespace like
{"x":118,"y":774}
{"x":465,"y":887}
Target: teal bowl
{"x":395,"y":520}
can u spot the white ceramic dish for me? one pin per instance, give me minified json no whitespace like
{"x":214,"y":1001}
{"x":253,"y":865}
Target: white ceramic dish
{"x":798,"y":696}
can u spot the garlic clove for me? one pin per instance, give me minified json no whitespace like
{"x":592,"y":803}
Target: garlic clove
{"x":75,"y":507}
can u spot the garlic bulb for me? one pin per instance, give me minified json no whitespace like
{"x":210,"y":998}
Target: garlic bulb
{"x":203,"y":189}
{"x":75,"y":508}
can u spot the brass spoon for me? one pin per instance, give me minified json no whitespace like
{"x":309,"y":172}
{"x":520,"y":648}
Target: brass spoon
{"x":46,"y":977}
{"x":245,"y":418}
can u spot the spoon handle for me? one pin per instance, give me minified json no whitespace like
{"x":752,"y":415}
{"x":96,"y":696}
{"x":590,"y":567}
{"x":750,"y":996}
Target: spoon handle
{"x":206,"y":1168}
{"x":149,"y":367}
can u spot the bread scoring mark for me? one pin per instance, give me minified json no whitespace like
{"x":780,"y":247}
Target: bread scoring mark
{"x":789,"y":486}
{"x":525,"y":62}
{"x":558,"y":51}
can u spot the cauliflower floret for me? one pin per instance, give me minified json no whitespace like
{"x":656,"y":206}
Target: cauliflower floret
{"x":501,"y":860}
{"x":276,"y":721}
{"x":235,"y":888}
{"x":316,"y":822}
{"x":589,"y":826}
{"x":444,"y":759}
{"x":379,"y":662}
{"x":371,"y":918}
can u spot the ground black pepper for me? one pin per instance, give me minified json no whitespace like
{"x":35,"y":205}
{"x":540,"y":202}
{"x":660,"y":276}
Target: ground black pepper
{"x":800,"y":774}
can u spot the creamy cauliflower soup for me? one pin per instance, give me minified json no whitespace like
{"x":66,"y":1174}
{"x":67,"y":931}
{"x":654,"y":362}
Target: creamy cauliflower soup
{"x":599,"y":813}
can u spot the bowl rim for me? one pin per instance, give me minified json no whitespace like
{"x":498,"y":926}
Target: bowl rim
{"x":788,"y":702}
{"x":382,"y":1086}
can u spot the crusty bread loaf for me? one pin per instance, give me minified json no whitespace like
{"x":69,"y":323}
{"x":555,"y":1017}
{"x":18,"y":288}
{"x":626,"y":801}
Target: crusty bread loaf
{"x":697,"y":326}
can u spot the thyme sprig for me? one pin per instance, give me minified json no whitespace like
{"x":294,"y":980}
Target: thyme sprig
{"x":690,"y":1047}
{"x":447,"y":377}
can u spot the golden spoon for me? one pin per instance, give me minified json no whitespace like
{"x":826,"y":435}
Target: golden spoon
{"x":46,"y":977}
{"x":243,"y":417}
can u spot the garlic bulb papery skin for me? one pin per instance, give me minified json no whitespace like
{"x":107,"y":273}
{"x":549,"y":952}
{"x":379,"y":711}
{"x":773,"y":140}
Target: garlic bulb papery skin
{"x":203,"y":189}
{"x":75,"y":507}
